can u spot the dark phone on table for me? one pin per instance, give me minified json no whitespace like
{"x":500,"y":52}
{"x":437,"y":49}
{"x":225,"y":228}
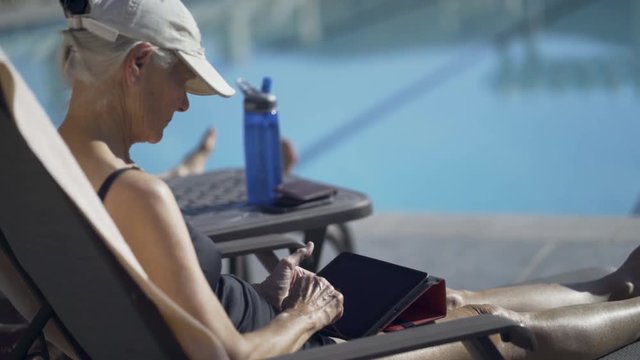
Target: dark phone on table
{"x":301,"y":194}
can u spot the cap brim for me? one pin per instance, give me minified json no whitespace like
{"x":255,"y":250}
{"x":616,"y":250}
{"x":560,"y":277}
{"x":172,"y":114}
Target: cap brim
{"x":207,"y":81}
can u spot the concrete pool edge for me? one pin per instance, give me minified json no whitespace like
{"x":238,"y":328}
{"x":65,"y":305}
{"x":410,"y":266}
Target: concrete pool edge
{"x":507,"y":227}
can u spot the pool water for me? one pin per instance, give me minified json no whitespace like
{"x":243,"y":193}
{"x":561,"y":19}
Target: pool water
{"x":427,"y":106}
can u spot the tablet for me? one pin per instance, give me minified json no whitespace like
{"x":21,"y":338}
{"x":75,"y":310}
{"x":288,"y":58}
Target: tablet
{"x":375,"y":292}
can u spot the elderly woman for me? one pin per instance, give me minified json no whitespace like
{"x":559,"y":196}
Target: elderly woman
{"x":131,"y":64}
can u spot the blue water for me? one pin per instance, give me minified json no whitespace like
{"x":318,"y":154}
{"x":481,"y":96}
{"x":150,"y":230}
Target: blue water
{"x":428,"y":106}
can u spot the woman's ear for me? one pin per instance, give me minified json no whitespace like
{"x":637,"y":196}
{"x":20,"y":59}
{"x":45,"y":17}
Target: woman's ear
{"x":136,"y":63}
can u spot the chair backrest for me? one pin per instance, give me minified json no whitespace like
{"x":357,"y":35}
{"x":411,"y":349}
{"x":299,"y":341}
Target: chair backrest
{"x":70,"y":250}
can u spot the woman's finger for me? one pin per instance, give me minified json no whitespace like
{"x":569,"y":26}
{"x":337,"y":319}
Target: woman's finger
{"x":301,"y":254}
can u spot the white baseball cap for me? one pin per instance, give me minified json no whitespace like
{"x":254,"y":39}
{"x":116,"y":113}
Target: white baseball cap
{"x":165,"y":23}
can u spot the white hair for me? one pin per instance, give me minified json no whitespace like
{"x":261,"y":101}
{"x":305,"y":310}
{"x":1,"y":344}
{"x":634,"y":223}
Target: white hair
{"x":92,"y":59}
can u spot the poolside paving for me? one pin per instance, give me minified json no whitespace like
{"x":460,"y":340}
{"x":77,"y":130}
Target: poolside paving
{"x":481,"y":251}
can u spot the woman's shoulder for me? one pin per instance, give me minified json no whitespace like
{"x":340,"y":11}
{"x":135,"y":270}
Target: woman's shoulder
{"x":143,"y":207}
{"x":139,"y":188}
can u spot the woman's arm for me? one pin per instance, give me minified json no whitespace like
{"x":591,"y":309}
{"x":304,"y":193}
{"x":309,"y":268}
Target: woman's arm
{"x":310,"y":296}
{"x":148,"y":217}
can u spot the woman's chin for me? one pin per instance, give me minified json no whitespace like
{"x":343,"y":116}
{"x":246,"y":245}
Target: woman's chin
{"x":155,"y":138}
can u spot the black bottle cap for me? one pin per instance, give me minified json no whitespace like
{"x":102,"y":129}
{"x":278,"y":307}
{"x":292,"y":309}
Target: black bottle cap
{"x":256,"y":100}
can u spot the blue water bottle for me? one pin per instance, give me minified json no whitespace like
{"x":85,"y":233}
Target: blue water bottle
{"x":262,"y":152}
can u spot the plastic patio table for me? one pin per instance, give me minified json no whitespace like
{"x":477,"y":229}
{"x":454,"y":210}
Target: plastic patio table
{"x":215,"y":204}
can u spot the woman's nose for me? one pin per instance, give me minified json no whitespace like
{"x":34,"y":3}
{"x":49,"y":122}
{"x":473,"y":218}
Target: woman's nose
{"x":184,"y":105}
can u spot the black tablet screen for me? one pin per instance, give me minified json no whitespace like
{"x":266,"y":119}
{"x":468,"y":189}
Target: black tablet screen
{"x":371,"y":289}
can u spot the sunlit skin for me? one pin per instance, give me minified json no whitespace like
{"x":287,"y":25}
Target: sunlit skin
{"x":135,"y":105}
{"x":164,"y":94}
{"x":194,"y":162}
{"x":580,"y":320}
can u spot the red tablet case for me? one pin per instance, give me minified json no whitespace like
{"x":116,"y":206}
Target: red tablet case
{"x":428,"y":307}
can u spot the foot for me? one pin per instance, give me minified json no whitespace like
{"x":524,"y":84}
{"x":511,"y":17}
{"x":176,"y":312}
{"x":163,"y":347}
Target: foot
{"x":208,"y":141}
{"x":194,"y":163}
{"x":289,"y":155}
{"x":626,"y":280}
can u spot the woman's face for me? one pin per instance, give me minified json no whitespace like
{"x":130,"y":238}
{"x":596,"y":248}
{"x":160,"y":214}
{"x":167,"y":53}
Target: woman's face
{"x":163,"y":92}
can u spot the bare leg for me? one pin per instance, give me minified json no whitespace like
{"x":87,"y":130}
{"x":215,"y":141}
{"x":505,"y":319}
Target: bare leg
{"x":586,"y":331}
{"x":194,"y":162}
{"x":621,"y":284}
{"x":535,"y":297}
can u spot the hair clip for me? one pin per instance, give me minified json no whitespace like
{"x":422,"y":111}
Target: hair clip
{"x":74,"y":7}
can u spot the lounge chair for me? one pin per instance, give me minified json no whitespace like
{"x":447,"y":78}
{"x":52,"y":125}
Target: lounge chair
{"x":67,"y":269}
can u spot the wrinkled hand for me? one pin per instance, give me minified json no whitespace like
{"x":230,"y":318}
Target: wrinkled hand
{"x":275,"y":288}
{"x":313,"y":295}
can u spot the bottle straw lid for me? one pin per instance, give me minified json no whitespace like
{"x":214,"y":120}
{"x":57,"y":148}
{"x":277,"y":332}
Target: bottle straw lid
{"x":266,"y":84}
{"x":257,"y":100}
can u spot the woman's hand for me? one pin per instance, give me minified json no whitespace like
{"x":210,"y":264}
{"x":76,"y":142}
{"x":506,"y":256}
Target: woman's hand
{"x":275,"y":288}
{"x":313,"y":295}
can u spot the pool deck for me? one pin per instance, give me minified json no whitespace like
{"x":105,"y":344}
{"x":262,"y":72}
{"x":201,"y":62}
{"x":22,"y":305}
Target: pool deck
{"x":481,"y":251}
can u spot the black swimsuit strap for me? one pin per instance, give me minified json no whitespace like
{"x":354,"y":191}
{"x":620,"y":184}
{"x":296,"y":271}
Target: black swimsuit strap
{"x":106,"y":185}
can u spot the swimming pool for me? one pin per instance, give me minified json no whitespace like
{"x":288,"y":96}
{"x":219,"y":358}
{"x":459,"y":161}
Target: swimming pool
{"x":427,"y":106}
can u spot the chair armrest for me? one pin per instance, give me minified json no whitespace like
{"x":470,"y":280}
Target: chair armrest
{"x":261,"y":246}
{"x":257,"y":244}
{"x":472,"y":328}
